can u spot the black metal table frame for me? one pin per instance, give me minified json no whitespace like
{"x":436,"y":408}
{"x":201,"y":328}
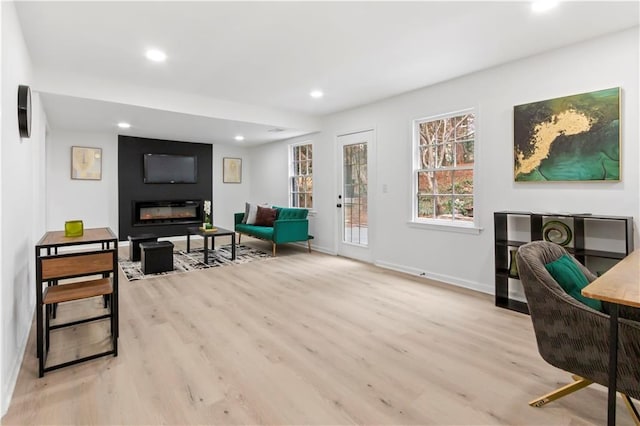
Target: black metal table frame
{"x":106,"y":243}
{"x":205,"y":235}
{"x":614,"y":323}
{"x":613,"y":364}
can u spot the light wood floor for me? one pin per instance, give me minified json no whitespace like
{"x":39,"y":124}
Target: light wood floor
{"x":302,"y":339}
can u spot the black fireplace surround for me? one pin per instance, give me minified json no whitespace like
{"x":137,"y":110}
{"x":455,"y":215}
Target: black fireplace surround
{"x":161,"y":209}
{"x":164,"y":212}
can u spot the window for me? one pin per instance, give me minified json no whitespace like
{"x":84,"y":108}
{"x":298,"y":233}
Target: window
{"x":443,"y":174}
{"x":301,"y":175}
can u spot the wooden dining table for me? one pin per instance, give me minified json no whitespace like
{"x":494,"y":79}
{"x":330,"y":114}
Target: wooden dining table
{"x":620,"y":285}
{"x":52,"y":240}
{"x":49,"y":244}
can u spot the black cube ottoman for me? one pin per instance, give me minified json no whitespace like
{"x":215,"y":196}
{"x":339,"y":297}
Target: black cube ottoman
{"x":134,"y":244}
{"x":156,"y":257}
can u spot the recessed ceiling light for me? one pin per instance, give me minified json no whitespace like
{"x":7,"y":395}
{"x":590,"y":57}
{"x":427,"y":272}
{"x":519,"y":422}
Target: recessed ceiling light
{"x":316,"y":94}
{"x":543,"y":5}
{"x":124,"y":125}
{"x":156,"y":55}
{"x":239,"y":138}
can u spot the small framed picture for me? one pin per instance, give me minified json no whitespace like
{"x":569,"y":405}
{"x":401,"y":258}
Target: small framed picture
{"x":232,"y":170}
{"x":86,"y":163}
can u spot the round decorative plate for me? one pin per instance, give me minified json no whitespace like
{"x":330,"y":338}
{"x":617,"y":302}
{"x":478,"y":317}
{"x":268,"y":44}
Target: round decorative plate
{"x":557,"y":232}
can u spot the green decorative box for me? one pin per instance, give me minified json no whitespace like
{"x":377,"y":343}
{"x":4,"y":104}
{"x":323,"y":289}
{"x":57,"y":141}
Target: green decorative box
{"x":73,"y":228}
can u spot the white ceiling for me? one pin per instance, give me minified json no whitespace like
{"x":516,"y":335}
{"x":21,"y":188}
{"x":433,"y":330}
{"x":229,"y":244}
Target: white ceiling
{"x":271,"y":54}
{"x":84,"y":115}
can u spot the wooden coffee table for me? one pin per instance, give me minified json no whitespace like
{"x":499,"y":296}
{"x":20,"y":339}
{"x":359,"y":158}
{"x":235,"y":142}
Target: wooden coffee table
{"x":219,"y":232}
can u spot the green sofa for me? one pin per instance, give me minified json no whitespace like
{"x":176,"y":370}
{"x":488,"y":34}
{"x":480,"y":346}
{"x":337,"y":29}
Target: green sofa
{"x":291,"y":225}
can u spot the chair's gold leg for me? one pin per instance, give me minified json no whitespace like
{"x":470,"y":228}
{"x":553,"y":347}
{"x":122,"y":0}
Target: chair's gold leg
{"x":239,"y":237}
{"x":309,"y":244}
{"x":274,"y":249}
{"x":563,"y":391}
{"x":632,"y":409}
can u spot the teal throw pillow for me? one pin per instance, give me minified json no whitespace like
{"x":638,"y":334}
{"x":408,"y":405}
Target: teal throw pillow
{"x":572,"y":280}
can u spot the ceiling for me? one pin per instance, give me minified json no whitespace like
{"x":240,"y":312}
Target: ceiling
{"x":270,"y":55}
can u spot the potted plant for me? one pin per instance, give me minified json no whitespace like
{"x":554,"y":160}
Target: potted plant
{"x":207,"y":215}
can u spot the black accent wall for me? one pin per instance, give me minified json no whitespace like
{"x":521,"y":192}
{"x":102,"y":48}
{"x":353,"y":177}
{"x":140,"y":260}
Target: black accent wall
{"x":131,"y":186}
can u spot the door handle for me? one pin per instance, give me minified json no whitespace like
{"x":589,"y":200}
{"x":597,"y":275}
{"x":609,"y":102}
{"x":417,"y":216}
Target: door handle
{"x":338,"y":205}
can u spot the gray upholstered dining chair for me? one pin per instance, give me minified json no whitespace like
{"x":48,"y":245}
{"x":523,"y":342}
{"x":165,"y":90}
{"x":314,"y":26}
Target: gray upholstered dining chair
{"x":571,"y":335}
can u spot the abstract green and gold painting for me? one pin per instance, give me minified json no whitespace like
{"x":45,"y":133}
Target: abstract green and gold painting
{"x":573,"y":138}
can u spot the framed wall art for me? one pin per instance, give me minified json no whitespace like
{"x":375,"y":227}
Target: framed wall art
{"x":232,"y":170}
{"x":86,"y":163}
{"x":573,"y":138}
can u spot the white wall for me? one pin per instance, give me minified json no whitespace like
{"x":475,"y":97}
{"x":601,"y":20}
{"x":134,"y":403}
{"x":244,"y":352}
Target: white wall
{"x":464,"y":259}
{"x":468,"y":259}
{"x":22,"y":198}
{"x":270,"y":169}
{"x":95,"y":202}
{"x":229,"y":198}
{"x":270,"y":172}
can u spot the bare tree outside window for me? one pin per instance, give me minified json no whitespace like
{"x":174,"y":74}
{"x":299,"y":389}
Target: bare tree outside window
{"x":355,"y":194}
{"x":301,"y":176}
{"x":444,"y":174}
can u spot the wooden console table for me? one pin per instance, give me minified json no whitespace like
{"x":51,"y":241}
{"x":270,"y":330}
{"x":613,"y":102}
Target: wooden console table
{"x":620,"y":286}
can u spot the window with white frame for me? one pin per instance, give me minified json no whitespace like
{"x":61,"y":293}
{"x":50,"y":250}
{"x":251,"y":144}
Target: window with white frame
{"x":301,"y":175}
{"x":443,"y":171}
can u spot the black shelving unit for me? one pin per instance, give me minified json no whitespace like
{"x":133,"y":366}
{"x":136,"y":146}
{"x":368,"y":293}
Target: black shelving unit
{"x":580,"y":222}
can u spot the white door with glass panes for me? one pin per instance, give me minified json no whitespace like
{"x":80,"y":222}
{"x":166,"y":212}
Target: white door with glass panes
{"x":352,"y":201}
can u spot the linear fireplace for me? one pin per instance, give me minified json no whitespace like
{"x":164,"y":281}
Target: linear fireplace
{"x":167,"y":212}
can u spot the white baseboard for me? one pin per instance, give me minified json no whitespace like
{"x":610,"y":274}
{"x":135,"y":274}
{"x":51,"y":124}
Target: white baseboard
{"x":447,"y":279}
{"x":9,"y":384}
{"x":324,"y":250}
{"x":315,"y":248}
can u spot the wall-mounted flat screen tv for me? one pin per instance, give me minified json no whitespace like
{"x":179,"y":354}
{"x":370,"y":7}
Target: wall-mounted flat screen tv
{"x":166,"y":168}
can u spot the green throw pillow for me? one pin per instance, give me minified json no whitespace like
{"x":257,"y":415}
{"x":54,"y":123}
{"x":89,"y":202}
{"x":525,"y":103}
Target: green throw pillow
{"x":572,"y":280}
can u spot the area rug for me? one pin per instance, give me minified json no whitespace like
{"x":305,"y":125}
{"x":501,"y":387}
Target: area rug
{"x":194,"y":260}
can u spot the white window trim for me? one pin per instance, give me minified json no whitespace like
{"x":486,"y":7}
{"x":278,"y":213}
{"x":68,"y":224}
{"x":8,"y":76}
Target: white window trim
{"x":462,"y":227}
{"x":290,"y":173}
{"x":443,"y":224}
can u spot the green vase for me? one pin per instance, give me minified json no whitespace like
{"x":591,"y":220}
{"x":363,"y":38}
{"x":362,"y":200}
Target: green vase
{"x":73,"y":228}
{"x":513,"y":268}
